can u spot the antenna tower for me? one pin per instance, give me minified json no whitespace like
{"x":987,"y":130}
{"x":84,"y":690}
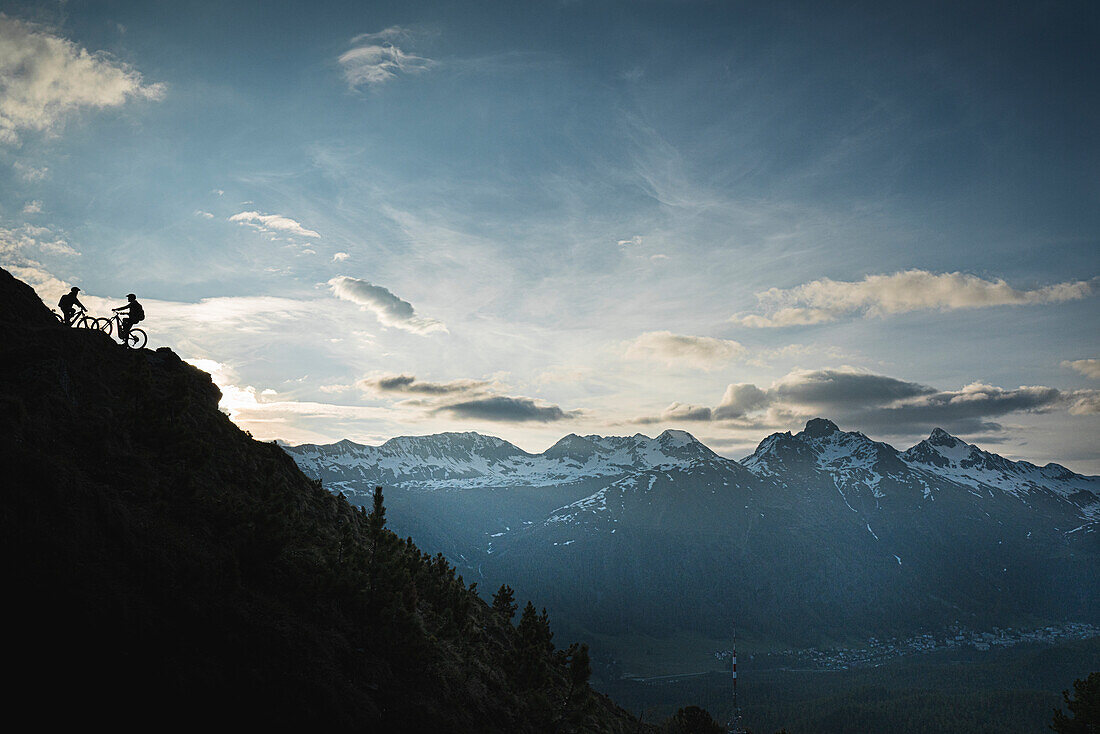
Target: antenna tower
{"x":735,"y":725}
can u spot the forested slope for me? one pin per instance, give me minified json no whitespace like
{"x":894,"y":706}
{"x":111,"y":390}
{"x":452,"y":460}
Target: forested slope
{"x":164,"y":568}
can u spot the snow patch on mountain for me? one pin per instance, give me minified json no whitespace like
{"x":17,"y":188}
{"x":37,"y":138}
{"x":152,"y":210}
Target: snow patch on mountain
{"x":951,"y":458}
{"x":852,"y":459}
{"x":470,"y":460}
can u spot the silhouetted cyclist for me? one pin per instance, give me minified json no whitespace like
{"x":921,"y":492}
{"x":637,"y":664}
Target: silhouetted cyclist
{"x":69,"y":304}
{"x":134,"y":314}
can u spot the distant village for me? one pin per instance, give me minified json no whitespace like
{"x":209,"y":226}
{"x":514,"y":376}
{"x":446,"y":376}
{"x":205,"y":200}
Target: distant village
{"x":879,"y":651}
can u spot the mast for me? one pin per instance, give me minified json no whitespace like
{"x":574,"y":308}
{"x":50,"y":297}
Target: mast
{"x":734,"y":726}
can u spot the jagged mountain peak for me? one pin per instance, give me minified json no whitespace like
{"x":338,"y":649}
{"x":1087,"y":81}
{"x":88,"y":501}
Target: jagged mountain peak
{"x":940,"y":437}
{"x":470,"y":459}
{"x":849,"y":456}
{"x":819,"y":432}
{"x":820,"y":427}
{"x":971,"y":466}
{"x":453,"y":446}
{"x":941,"y":449}
{"x":573,"y":445}
{"x":675,"y":437}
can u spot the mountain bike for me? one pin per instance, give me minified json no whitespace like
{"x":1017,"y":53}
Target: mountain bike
{"x":81,"y":321}
{"x":136,"y":339}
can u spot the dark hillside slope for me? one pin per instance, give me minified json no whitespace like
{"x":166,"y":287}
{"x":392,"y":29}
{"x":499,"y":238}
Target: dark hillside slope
{"x":163,"y":568}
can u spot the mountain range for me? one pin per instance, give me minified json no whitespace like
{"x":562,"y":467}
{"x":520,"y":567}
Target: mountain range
{"x":820,"y":535}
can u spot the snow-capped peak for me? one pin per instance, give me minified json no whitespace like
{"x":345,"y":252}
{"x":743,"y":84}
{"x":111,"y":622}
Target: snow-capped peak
{"x":677,"y":439}
{"x":940,"y":437}
{"x":853,"y":460}
{"x":471,"y":459}
{"x":966,"y":464}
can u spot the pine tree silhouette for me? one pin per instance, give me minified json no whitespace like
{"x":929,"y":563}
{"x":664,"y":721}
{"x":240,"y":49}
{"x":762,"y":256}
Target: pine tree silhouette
{"x":504,"y":602}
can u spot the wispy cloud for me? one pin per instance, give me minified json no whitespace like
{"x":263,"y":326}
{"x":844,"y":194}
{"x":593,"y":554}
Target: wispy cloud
{"x":19,"y":243}
{"x":826,"y":300}
{"x":45,"y":78}
{"x":678,"y":349}
{"x":387,"y":308}
{"x":340,"y":257}
{"x":375,"y":59}
{"x":32,"y":207}
{"x":273,"y":224}
{"x":1087,"y":367}
{"x":30,"y":173}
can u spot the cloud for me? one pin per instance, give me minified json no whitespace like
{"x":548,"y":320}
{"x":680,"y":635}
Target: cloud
{"x":880,"y":403}
{"x":204,"y":215}
{"x":503,"y":408}
{"x":374,"y":59}
{"x":678,"y":350}
{"x":45,"y":78}
{"x":786,"y":317}
{"x":968,"y":409}
{"x":410,"y":384}
{"x":739,"y":400}
{"x":340,"y":257}
{"x":826,"y":300}
{"x":632,"y":242}
{"x":1087,"y":367}
{"x":846,"y":386}
{"x":32,"y":207}
{"x":388,"y":308}
{"x":1085,"y":402}
{"x":273,"y":224}
{"x":255,"y":409}
{"x":17,"y":243}
{"x":679,"y":412}
{"x":30,"y":173}
{"x":463,"y":398}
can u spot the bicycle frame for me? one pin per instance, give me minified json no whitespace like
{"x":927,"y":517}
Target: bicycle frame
{"x":135,"y":338}
{"x":80,"y":320}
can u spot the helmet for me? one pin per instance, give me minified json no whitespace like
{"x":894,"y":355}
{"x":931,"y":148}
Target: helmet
{"x":74,"y":289}
{"x":131,"y":296}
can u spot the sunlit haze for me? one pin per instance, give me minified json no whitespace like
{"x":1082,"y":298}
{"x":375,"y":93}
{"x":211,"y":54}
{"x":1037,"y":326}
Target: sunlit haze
{"x":368,"y":220}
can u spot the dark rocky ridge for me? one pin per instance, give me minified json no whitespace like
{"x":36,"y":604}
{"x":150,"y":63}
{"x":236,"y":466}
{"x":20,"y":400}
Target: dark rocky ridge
{"x":164,"y":569}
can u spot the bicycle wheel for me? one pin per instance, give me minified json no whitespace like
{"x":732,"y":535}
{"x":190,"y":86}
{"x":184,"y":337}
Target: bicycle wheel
{"x":107,"y":326}
{"x":136,"y":339}
{"x":60,"y":318}
{"x":86,"y":322}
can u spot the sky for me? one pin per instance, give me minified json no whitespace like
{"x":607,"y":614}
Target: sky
{"x":372,"y":219}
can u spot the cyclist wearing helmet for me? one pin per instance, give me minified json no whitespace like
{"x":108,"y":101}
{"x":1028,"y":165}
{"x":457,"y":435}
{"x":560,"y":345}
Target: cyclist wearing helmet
{"x":69,"y":304}
{"x":134,"y":314}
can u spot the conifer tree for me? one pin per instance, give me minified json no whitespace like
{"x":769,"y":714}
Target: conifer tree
{"x":578,"y":670}
{"x":532,"y":649}
{"x":1084,"y":708}
{"x":376,"y":523}
{"x":504,"y":602}
{"x":377,"y":517}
